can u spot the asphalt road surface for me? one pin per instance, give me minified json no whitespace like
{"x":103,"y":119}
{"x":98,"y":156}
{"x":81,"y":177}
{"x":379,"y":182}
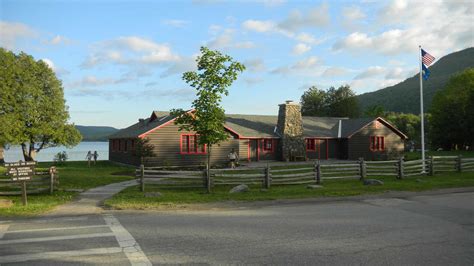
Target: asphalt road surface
{"x":422,"y":230}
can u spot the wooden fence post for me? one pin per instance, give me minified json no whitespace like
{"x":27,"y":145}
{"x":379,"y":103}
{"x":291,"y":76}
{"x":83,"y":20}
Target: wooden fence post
{"x":401,"y":169}
{"x":363,"y":169}
{"x":459,"y":163}
{"x":317,"y":172}
{"x":267,"y":177}
{"x":142,"y":178}
{"x":52,"y":171}
{"x":431,"y":166}
{"x":208,"y":178}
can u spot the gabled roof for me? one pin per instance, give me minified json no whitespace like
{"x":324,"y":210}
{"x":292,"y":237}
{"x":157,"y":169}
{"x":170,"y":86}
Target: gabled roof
{"x":157,"y":118}
{"x":263,"y":126}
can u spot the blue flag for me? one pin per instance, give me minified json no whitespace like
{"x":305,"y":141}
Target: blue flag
{"x":425,"y":72}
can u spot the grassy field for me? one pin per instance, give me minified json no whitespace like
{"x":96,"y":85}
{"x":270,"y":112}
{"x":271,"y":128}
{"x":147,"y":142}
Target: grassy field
{"x":417,"y":155}
{"x":72,"y":175}
{"x":132,"y":198}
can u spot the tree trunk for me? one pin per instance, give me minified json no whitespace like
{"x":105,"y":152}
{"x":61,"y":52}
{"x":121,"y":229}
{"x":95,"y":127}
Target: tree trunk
{"x":2,"y":158}
{"x":28,"y":152}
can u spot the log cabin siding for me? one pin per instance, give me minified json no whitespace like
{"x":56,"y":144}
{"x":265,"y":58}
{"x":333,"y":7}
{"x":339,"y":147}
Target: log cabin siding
{"x":120,"y":155}
{"x":359,"y":143}
{"x":167,"y":139}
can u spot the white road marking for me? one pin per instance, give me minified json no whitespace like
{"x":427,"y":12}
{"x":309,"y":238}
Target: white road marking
{"x":3,"y":229}
{"x":55,"y":229}
{"x":52,"y":238}
{"x":126,"y":241}
{"x":58,"y":254}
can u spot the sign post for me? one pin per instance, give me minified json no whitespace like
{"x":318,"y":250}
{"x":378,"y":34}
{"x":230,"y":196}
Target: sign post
{"x":21,"y":172}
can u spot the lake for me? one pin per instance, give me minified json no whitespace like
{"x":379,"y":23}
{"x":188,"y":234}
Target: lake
{"x":78,"y":153}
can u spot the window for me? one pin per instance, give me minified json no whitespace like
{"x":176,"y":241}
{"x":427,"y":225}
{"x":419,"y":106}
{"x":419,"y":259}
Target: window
{"x":310,"y":144}
{"x":119,"y":145}
{"x":268,"y":145}
{"x":377,"y":143}
{"x":189,"y":145}
{"x":125,"y":145}
{"x":132,"y":144}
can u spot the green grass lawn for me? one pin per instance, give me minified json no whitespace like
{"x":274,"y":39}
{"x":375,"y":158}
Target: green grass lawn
{"x":72,"y":175}
{"x":132,"y":198}
{"x":417,"y":155}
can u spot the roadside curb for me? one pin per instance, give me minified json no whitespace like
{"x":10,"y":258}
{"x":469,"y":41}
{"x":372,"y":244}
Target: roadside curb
{"x":239,"y":205}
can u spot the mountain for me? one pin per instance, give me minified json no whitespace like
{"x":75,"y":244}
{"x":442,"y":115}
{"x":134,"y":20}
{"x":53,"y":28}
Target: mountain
{"x":405,"y":96}
{"x":94,"y":133}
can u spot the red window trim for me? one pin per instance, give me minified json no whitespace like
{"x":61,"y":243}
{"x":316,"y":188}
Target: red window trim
{"x":272,"y":143}
{"x":377,"y":143}
{"x":313,"y":144}
{"x":187,"y":143}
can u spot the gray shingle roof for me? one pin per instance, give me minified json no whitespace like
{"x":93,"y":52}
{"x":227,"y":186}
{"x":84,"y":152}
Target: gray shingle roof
{"x":261,"y":126}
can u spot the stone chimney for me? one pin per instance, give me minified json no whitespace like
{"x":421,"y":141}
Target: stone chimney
{"x":290,"y":129}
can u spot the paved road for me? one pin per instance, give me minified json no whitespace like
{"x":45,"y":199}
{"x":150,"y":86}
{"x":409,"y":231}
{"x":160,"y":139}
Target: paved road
{"x":423,"y":230}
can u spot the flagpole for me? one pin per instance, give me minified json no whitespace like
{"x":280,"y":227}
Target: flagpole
{"x":422,"y":115}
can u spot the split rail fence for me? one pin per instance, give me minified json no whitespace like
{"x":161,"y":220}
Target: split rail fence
{"x":42,"y":181}
{"x":301,"y":174}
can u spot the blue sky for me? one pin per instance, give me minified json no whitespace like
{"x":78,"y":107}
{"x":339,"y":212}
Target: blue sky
{"x":119,"y":60}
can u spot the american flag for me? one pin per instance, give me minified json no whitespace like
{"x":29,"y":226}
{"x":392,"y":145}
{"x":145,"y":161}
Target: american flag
{"x":426,"y":58}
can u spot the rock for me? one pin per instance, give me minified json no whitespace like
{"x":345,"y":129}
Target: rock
{"x":372,"y":182}
{"x":153,"y":194}
{"x":6,"y":203}
{"x":314,"y":186}
{"x":420,"y":180}
{"x":239,"y":189}
{"x":263,"y":190}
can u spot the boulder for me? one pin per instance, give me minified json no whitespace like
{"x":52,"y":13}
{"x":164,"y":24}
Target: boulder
{"x":263,"y":190}
{"x":372,"y":182}
{"x":418,"y":180}
{"x":153,"y":194}
{"x":6,"y":203}
{"x":314,"y":186}
{"x":239,"y":189}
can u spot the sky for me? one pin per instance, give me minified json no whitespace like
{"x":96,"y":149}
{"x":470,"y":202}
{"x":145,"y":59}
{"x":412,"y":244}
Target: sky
{"x":120,"y":60}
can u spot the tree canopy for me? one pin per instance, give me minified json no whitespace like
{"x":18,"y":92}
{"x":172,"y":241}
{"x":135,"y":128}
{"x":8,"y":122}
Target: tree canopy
{"x":452,"y":110}
{"x":340,"y":102}
{"x":33,"y":111}
{"x":215,"y":74}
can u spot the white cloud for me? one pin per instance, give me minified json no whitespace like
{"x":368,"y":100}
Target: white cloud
{"x":307,"y":38}
{"x":259,"y":25}
{"x":253,"y":80}
{"x":316,"y":17}
{"x":226,"y":41}
{"x":370,"y":72}
{"x":130,"y":50}
{"x":177,"y":23}
{"x":440,"y":27}
{"x":353,"y":13}
{"x":306,"y":63}
{"x":334,"y":72}
{"x":182,"y":65}
{"x":58,"y":39}
{"x":11,"y":33}
{"x":93,"y":81}
{"x":58,"y":70}
{"x":256,"y":64}
{"x":301,"y":48}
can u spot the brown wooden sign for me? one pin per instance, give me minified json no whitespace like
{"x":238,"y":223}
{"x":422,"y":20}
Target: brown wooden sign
{"x":20,"y":171}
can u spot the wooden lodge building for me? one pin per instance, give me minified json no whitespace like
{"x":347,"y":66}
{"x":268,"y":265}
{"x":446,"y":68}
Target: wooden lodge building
{"x":288,"y":136}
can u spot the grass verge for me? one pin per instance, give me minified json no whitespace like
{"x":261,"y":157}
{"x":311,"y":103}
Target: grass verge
{"x":72,"y":175}
{"x":132,"y":198}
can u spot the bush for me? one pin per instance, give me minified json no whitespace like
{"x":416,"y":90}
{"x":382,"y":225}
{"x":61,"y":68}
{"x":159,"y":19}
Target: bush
{"x":60,"y":157}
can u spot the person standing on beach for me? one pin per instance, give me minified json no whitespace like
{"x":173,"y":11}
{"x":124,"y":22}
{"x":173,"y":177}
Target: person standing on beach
{"x":96,"y":155}
{"x":89,"y":158}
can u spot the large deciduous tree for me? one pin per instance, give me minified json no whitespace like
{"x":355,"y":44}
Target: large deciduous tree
{"x":215,"y":74}
{"x":452,"y":113}
{"x":340,"y":102}
{"x":33,"y":111}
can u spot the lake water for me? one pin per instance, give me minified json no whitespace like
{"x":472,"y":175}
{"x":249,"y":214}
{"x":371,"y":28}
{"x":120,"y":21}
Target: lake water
{"x":78,"y":153}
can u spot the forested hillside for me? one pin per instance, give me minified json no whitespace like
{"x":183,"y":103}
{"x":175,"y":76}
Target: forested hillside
{"x":405,"y":96}
{"x":95,"y":133}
